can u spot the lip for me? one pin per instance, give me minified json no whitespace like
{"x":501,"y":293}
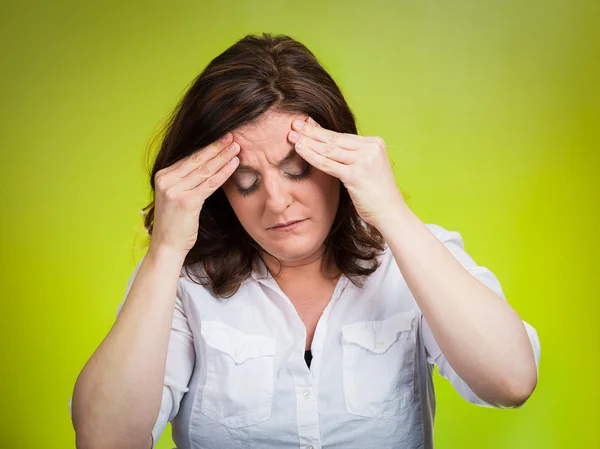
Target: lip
{"x":291,"y":225}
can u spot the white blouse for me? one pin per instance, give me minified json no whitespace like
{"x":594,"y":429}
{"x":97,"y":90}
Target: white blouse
{"x":236,"y":376}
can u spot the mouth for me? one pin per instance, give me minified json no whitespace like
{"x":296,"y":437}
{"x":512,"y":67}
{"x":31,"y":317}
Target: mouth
{"x":287,"y":226}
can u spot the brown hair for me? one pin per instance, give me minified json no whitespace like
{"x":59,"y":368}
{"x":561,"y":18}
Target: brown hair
{"x":257,"y":74}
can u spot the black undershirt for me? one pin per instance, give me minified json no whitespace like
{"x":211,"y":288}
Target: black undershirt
{"x":308,"y":357}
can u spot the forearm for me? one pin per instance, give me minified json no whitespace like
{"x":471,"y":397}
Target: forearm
{"x":118,"y":393}
{"x":480,"y":335}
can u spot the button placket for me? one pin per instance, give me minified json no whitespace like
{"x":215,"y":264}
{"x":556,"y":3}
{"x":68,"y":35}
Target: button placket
{"x":306,"y":379}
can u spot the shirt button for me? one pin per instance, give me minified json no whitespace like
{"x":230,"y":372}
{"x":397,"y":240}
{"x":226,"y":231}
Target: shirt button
{"x":308,"y":395}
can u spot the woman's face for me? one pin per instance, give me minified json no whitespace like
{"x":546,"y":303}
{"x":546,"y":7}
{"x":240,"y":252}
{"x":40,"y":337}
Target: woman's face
{"x":274,"y":185}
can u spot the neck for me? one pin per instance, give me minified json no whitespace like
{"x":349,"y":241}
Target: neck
{"x":307,"y":268}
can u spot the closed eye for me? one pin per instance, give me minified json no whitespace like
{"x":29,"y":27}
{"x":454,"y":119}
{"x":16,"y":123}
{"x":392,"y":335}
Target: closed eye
{"x":295,"y":173}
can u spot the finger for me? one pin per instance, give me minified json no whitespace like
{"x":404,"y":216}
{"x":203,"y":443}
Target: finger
{"x":184,"y":166}
{"x":347,"y":141}
{"x":207,"y":188}
{"x":323,"y":163}
{"x":312,"y":122}
{"x":202,"y":156}
{"x":333,"y":152}
{"x":210,"y":168}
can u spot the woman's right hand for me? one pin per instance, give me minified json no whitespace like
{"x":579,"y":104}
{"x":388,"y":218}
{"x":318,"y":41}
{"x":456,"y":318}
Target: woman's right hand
{"x":182,"y":188}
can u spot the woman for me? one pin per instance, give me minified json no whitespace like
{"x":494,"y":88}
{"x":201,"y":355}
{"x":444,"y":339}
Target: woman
{"x":314,"y":303}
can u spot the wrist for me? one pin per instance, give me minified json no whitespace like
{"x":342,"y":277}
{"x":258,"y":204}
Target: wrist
{"x":394,"y":218}
{"x":164,"y":252}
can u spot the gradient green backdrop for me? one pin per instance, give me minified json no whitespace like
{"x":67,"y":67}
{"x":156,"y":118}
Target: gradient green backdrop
{"x":490,"y":111}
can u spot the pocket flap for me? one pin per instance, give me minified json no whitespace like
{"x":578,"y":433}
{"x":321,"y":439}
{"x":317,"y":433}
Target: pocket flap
{"x":239,"y":346}
{"x":378,"y":336}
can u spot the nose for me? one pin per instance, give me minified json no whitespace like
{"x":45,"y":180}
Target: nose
{"x":279,"y":196}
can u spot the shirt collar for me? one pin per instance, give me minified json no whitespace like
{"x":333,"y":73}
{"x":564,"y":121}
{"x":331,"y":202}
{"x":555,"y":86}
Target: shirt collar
{"x":260,"y":271}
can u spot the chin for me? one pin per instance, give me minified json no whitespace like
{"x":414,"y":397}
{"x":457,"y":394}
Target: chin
{"x":293,"y":250}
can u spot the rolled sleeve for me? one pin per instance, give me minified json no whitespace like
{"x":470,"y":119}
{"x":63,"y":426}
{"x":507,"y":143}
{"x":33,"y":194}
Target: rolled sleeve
{"x":454,"y":243}
{"x":178,"y":370}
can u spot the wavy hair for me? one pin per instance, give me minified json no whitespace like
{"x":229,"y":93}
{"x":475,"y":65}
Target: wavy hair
{"x":257,"y":74}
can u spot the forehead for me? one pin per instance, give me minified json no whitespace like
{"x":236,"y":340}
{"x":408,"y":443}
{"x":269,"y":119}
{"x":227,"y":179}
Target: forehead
{"x":267,"y":138}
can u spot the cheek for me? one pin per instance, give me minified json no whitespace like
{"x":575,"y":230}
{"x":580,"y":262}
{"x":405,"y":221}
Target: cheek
{"x":244,"y":207}
{"x":323,"y":192}
{"x":233,"y":198}
{"x":327,"y":183}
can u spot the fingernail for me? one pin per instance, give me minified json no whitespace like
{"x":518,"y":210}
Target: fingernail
{"x":298,"y":124}
{"x":294,"y":136}
{"x":312,"y":122}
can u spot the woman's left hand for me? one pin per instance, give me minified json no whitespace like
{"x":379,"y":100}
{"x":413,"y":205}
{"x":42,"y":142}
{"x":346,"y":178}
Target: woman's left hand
{"x":361,"y":164}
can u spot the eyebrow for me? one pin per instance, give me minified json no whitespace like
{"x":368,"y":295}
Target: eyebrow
{"x":289,"y":156}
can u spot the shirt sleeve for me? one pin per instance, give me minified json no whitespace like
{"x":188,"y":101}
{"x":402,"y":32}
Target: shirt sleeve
{"x":454,"y":243}
{"x":179,"y":365}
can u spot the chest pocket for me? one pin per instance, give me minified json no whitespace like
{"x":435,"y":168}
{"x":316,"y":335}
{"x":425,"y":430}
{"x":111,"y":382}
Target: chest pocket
{"x":379,"y":365}
{"x":239,"y":375}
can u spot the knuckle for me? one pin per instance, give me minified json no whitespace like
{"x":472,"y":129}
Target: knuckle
{"x":330,"y":150}
{"x":213,"y":182}
{"x":374,"y":148}
{"x":159,"y":180}
{"x":171,"y":193}
{"x":332,"y":138}
{"x":379,"y":143}
{"x":204,"y":171}
{"x":324,"y":164}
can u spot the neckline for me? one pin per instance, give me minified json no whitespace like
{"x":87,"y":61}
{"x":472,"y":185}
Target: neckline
{"x":260,"y":272}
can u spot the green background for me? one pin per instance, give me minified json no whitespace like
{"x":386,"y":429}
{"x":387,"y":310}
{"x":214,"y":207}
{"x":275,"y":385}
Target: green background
{"x":490,"y":111}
